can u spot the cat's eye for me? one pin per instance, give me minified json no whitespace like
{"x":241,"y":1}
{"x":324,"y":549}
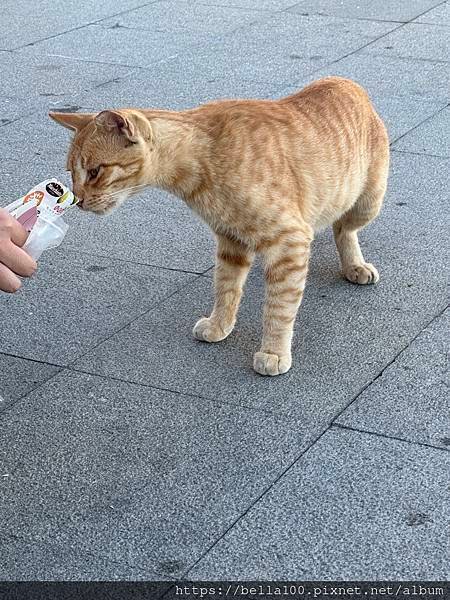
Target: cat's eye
{"x":92,"y":173}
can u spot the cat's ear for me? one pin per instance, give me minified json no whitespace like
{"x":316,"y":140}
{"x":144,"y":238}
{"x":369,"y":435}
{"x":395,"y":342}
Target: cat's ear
{"x":118,"y":122}
{"x":74,"y":121}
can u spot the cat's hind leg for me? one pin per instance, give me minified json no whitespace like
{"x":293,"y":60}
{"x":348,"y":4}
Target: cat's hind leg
{"x":345,"y":229}
{"x":233,"y":262}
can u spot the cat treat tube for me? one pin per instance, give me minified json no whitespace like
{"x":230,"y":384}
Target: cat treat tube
{"x":40,"y":212}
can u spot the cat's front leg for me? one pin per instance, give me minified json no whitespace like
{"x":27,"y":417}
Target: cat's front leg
{"x":233,"y":262}
{"x":286,"y":266}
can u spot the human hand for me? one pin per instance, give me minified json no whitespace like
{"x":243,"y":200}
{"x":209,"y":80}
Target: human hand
{"x":13,"y":260}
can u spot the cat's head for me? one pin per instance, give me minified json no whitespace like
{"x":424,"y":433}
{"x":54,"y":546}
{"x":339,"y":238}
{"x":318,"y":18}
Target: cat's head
{"x":109,"y":156}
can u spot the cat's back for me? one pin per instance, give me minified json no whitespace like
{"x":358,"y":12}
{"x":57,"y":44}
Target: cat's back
{"x":327,"y":107}
{"x":337,"y":105}
{"x":336,"y":92}
{"x":322,"y":90}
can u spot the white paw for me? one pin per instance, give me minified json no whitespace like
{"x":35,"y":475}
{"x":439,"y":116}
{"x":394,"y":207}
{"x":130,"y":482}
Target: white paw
{"x":271,"y":364}
{"x":362,"y":274}
{"x":207,"y":331}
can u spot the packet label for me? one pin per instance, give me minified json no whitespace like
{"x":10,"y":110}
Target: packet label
{"x":39,"y":211}
{"x":50,"y":196}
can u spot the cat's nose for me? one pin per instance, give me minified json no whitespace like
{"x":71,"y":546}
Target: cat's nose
{"x":80,"y":203}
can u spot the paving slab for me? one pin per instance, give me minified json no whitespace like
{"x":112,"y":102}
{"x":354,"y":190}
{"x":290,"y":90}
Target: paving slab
{"x":410,"y":400}
{"x":19,"y":376}
{"x":151,"y":88}
{"x":366,"y":9}
{"x":12,"y":109}
{"x":367,"y":326}
{"x":415,"y":40}
{"x":176,"y":18}
{"x":437,"y":16}
{"x":390,"y":76}
{"x":280,"y":49}
{"x":261,"y":5}
{"x":429,"y":138}
{"x":22,"y":26}
{"x":47,"y":561}
{"x":400,"y":115}
{"x":121,"y":45}
{"x":354,"y":507}
{"x":75,"y":301}
{"x":153,"y":229}
{"x":170,"y":473}
{"x":38,"y":83}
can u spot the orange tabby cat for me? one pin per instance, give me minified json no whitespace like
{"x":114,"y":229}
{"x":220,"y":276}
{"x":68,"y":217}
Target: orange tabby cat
{"x":263,"y":174}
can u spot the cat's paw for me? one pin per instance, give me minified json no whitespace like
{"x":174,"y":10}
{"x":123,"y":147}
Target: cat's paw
{"x":206,"y":330}
{"x":271,"y":364}
{"x":363,"y":274}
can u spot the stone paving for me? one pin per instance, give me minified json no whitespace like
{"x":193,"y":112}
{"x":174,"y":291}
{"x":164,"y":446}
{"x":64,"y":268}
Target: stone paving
{"x":131,"y":451}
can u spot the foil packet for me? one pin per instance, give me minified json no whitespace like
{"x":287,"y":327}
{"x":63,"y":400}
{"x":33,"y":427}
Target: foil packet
{"x":40,"y":212}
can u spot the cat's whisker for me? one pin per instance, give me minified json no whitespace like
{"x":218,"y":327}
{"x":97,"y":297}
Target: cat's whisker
{"x":134,"y":188}
{"x":131,"y":188}
{"x":125,"y":190}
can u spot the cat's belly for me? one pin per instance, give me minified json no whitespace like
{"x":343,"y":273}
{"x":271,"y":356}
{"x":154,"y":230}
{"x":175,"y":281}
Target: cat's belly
{"x":252,"y":217}
{"x":324,"y":207}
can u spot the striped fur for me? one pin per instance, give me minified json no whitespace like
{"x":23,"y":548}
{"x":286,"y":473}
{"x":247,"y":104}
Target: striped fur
{"x":265,"y":175}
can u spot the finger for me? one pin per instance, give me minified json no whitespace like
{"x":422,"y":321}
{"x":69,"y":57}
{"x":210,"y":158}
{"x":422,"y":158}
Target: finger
{"x":8,"y":281}
{"x":17,"y":260}
{"x":18,"y":233}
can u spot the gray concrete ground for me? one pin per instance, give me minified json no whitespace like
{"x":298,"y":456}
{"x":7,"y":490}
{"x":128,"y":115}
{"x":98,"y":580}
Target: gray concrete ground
{"x":131,"y":451}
